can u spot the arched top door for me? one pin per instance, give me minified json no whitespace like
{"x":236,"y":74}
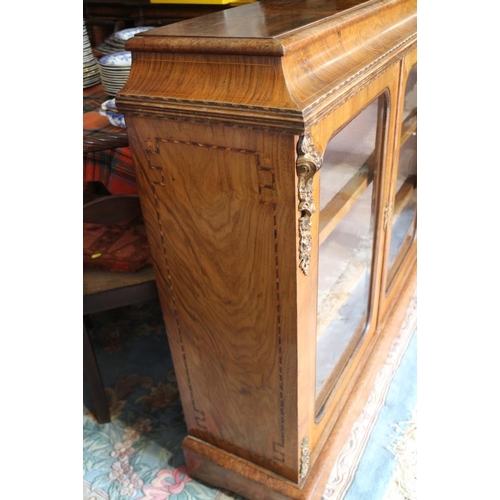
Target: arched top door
{"x":349,"y":180}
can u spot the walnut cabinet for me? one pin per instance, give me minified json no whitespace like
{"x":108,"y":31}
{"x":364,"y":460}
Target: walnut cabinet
{"x":275,"y":149}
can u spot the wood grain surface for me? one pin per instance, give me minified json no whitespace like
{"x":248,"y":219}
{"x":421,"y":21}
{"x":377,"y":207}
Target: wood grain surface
{"x":214,"y":122}
{"x":288,"y":79}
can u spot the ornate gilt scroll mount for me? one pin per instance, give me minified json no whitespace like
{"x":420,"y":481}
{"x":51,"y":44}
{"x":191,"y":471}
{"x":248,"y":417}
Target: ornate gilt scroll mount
{"x":304,"y":458}
{"x":308,"y":163}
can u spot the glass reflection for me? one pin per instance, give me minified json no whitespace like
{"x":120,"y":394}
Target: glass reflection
{"x":404,"y":204}
{"x":347,"y":208}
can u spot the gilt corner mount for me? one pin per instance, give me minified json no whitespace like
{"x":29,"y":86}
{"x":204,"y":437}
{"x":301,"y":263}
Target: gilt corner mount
{"x":308,"y":163}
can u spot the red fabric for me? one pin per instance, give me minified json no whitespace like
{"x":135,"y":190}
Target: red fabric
{"x":116,"y":247}
{"x":113,"y":167}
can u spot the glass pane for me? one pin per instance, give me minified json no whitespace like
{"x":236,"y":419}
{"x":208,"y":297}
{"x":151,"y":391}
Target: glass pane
{"x":404,"y":205}
{"x":347,"y":208}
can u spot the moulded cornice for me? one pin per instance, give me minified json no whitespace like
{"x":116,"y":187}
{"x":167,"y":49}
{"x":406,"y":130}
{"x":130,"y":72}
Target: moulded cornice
{"x":265,"y":78}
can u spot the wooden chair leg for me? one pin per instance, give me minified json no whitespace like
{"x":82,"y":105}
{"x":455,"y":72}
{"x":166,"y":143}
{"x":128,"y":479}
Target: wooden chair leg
{"x":93,"y":374}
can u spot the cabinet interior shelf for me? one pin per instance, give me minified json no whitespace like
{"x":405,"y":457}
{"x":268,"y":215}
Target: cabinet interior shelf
{"x":409,"y":126}
{"x":404,"y":194}
{"x":342,"y":202}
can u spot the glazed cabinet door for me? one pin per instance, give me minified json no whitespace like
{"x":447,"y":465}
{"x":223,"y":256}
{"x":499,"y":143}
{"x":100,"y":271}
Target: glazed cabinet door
{"x":355,"y":142}
{"x":400,"y":210}
{"x":349,"y":202}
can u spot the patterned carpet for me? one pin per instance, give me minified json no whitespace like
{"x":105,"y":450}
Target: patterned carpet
{"x":138,"y":455}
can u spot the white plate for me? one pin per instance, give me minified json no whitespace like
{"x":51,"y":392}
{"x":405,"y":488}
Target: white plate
{"x":123,"y":58}
{"x":130,"y":32}
{"x":90,"y":82}
{"x":107,"y":81}
{"x":115,"y":70}
{"x":110,"y":105}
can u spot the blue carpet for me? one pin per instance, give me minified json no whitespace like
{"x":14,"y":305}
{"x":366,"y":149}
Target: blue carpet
{"x":377,"y":464}
{"x":138,"y":455}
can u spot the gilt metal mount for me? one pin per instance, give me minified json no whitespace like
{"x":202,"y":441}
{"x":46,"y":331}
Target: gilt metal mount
{"x":304,"y":458}
{"x":308,"y":163}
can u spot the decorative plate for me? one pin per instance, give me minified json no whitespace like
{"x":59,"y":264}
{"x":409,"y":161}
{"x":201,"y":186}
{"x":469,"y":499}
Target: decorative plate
{"x":116,"y":119}
{"x":110,"y":104}
{"x":130,"y":32}
{"x":123,"y":58}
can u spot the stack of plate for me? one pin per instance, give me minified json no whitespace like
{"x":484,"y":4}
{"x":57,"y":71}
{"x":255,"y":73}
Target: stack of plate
{"x":114,"y":69}
{"x":91,"y":75}
{"x":116,"y":42}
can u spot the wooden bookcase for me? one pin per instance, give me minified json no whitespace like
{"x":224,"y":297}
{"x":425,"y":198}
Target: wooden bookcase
{"x":275,"y":148}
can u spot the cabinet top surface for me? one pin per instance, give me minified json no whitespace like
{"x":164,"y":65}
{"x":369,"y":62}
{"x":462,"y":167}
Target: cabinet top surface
{"x":265,"y":58}
{"x":263,"y":19}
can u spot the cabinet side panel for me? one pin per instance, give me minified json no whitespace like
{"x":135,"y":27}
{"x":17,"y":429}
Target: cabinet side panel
{"x":215,"y":221}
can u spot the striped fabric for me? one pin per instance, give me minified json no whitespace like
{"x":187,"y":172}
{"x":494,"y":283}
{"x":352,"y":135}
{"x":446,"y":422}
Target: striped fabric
{"x":113,"y":167}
